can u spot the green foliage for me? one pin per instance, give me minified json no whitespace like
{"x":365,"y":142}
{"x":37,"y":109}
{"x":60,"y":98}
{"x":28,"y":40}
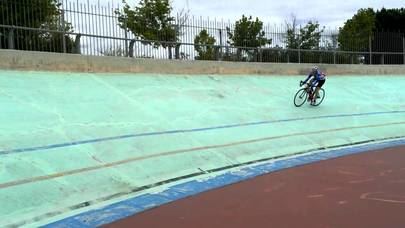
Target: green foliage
{"x":388,"y":36}
{"x":248,"y":33}
{"x":392,"y":20}
{"x":384,"y":27}
{"x":150,"y":21}
{"x":354,"y":36}
{"x":203,"y":44}
{"x":307,"y":38}
{"x":247,"y":36}
{"x":43,"y":14}
{"x":310,"y":36}
{"x":25,"y":13}
{"x":53,"y":41}
{"x":277,"y":54}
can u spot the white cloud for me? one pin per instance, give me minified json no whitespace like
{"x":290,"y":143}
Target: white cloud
{"x":328,"y":13}
{"x":331,"y":14}
{"x":273,"y":13}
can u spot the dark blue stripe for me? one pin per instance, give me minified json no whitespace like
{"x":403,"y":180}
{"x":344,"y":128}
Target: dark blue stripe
{"x":67,"y":144}
{"x":123,"y":209}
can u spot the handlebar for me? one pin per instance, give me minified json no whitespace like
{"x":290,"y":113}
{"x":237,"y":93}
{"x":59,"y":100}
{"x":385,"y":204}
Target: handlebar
{"x":303,"y":83}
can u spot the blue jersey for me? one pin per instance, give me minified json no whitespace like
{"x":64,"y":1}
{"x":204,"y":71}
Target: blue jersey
{"x":318,"y":76}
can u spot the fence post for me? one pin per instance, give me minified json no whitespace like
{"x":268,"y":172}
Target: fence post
{"x":260,"y":53}
{"x":320,"y":57}
{"x":299,"y":46}
{"x":177,"y":51}
{"x":369,"y":47}
{"x":11,"y":39}
{"x":77,"y":44}
{"x":220,"y":46}
{"x":131,"y":48}
{"x":216,"y":53}
{"x":334,"y":57}
{"x":169,"y":48}
{"x":299,"y":54}
{"x":126,"y":36}
{"x":220,"y":37}
{"x":63,"y":31}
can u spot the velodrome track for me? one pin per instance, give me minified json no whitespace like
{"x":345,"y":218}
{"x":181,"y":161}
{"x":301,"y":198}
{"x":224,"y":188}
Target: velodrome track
{"x":74,"y":143}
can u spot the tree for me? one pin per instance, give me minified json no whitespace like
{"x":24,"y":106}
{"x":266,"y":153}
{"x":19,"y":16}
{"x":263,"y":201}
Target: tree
{"x":306,"y":38}
{"x":150,"y":21}
{"x":14,"y":12}
{"x":203,"y":44}
{"x":247,"y":35}
{"x":388,"y":35}
{"x":310,"y":36}
{"x":181,"y":23}
{"x":53,"y":41}
{"x":383,"y":28}
{"x":390,"y":20}
{"x":356,"y":32}
{"x":41,"y":14}
{"x":292,"y":38}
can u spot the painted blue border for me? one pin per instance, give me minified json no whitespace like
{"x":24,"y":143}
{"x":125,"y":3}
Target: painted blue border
{"x":123,"y":209}
{"x":119,"y":137}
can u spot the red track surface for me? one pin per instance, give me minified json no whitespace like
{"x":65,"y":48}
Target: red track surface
{"x":363,"y":190}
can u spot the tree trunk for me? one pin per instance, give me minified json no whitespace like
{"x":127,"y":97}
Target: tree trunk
{"x":170,"y":52}
{"x":77,"y":44}
{"x":177,"y":51}
{"x":239,"y":54}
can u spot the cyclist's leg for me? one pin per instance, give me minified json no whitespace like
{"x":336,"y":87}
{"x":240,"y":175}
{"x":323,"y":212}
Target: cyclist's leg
{"x":318,"y":87}
{"x":313,"y":88}
{"x":310,"y":88}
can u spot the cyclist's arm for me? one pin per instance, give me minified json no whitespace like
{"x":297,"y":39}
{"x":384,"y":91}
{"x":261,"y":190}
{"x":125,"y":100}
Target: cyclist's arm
{"x":309,"y":76}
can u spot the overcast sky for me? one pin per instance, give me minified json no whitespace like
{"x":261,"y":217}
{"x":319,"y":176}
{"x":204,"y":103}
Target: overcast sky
{"x":329,"y":13}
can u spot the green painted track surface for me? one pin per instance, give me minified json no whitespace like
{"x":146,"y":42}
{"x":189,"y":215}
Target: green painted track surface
{"x":66,"y":139}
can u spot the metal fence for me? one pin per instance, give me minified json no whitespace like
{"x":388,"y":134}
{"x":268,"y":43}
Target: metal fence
{"x":89,"y":29}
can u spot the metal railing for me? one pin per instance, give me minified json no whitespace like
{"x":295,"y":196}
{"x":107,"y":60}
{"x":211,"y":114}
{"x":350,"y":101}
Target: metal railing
{"x":88,"y":29}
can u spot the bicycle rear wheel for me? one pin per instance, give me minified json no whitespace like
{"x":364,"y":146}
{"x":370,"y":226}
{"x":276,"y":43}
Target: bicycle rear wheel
{"x":300,"y":97}
{"x":321,"y":96}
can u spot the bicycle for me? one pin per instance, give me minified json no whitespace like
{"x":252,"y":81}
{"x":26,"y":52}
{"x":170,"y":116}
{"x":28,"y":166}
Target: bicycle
{"x":302,"y":95}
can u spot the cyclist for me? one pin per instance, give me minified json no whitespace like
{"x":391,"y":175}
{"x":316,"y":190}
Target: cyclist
{"x":317,"y":79}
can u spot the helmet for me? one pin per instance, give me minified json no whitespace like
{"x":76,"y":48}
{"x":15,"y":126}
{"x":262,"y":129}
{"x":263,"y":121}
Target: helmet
{"x":314,"y":69}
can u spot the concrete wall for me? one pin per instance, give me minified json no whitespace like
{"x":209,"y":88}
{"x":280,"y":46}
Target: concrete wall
{"x":41,"y":61}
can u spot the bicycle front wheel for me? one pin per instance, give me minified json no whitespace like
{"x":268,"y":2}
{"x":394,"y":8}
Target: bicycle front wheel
{"x":300,"y":97}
